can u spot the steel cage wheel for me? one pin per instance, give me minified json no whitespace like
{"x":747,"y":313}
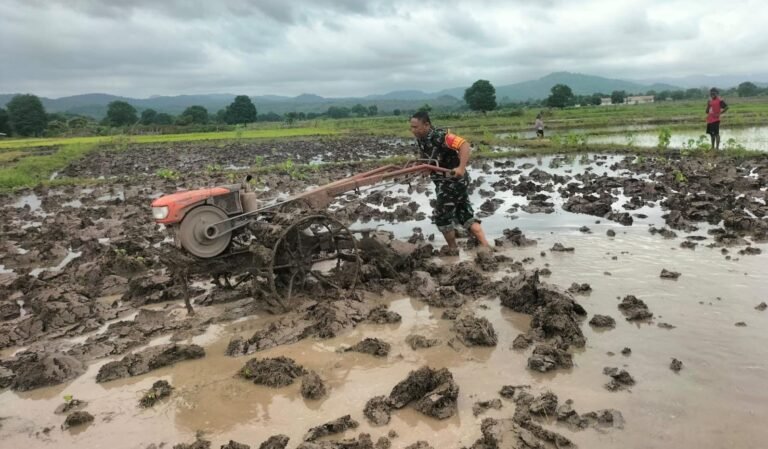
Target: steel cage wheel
{"x":317,"y":247}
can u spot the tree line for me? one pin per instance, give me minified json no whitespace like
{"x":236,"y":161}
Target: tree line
{"x":25,"y":115}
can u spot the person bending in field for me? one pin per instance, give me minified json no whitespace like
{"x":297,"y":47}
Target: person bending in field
{"x":539,"y":126}
{"x":715,"y":107}
{"x":452,"y":152}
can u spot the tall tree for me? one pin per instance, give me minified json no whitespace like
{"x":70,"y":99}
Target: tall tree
{"x":26,"y":115}
{"x":359,"y":110}
{"x":338,"y":112}
{"x":373,"y":110}
{"x":120,"y":113}
{"x":747,"y":89}
{"x":195,"y":114}
{"x":618,"y":96}
{"x":561,"y":96}
{"x":241,"y":110}
{"x":481,"y":96}
{"x":148,"y":117}
{"x":5,"y":125}
{"x":163,"y":119}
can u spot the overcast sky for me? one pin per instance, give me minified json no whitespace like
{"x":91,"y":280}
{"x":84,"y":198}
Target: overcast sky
{"x":349,"y":47}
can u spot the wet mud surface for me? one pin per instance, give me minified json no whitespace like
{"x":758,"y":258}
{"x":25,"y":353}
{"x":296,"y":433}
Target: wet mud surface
{"x":423,"y":350}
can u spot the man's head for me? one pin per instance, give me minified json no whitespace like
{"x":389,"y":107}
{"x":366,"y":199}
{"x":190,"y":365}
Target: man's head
{"x":420,"y":124}
{"x":713,"y":92}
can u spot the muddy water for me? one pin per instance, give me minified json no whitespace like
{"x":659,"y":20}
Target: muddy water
{"x":717,"y":400}
{"x":754,"y":138}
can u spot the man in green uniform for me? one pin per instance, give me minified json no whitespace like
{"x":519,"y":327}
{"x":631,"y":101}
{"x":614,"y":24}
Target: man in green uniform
{"x":449,"y":151}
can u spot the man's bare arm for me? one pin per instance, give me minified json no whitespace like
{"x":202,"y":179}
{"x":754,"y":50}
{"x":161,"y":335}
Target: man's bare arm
{"x":464,"y":151}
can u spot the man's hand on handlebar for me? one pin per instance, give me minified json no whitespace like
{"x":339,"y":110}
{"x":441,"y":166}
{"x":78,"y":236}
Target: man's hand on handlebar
{"x":458,"y":172}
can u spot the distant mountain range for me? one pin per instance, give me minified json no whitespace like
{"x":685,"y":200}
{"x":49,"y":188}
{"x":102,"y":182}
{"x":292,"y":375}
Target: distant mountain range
{"x":95,"y":105}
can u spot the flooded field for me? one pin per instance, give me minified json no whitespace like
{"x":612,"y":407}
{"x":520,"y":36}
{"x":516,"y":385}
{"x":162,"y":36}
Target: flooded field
{"x":74,"y":246}
{"x":754,"y":138}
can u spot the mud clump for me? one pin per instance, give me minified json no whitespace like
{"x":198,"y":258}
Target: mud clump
{"x":666,"y":274}
{"x":634,"y":309}
{"x":446,"y":297}
{"x":378,"y":410}
{"x":312,"y":386}
{"x":598,"y":419}
{"x":558,"y":247}
{"x":466,"y":279}
{"x":517,"y":434}
{"x":381,"y":315}
{"x":275,"y":372}
{"x":486,"y":260}
{"x":602,"y":321}
{"x":372,"y":346}
{"x":275,"y":442}
{"x":481,"y":407}
{"x":610,"y":233}
{"x":198,"y":444}
{"x":323,"y":319}
{"x":626,"y":352}
{"x":620,"y":379}
{"x":421,"y":342}
{"x":761,"y":307}
{"x":547,"y":357}
{"x":147,"y":360}
{"x":160,"y":389}
{"x":75,"y":419}
{"x":363,"y":441}
{"x":235,"y":445}
{"x":475,"y":331}
{"x":431,"y":392}
{"x":580,"y":289}
{"x":509,"y":391}
{"x":676,"y":365}
{"x":70,"y":405}
{"x":330,"y":428}
{"x":422,"y":285}
{"x":555,"y":313}
{"x":419,"y":445}
{"x":514,"y":238}
{"x":33,"y":370}
{"x":544,"y":405}
{"x":522,"y":341}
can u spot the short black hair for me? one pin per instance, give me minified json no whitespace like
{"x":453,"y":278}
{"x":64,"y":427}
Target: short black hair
{"x":422,"y":116}
{"x":714,"y":90}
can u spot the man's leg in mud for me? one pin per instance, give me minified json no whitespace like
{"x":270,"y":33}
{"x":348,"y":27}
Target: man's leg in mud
{"x":442,"y":214}
{"x":717,"y":142}
{"x":477,"y":230}
{"x":450,"y":239}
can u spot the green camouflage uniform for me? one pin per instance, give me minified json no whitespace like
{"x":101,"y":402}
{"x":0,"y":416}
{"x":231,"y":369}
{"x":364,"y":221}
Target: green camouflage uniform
{"x":452,"y":206}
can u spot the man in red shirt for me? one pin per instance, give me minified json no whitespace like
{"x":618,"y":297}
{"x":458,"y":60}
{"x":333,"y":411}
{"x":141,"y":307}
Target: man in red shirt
{"x":715,"y":107}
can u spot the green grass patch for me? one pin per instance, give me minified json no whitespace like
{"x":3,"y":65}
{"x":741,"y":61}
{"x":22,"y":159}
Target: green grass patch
{"x":266,"y":133}
{"x":32,"y":170}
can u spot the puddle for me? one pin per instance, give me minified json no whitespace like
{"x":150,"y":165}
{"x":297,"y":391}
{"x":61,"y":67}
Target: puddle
{"x":558,"y":221}
{"x":716,"y":401}
{"x":753,"y":138}
{"x":32,"y":200}
{"x":71,"y":255}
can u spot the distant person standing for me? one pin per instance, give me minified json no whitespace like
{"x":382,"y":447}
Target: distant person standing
{"x":715,"y":107}
{"x":539,"y":126}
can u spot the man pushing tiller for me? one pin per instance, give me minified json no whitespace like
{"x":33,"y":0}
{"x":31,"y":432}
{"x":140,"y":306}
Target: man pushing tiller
{"x":452,"y":206}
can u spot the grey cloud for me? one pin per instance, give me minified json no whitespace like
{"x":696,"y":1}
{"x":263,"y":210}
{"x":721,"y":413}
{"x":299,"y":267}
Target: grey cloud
{"x":350,"y":47}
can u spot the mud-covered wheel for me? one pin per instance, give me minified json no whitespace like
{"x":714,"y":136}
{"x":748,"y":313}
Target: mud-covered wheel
{"x":315,"y":251}
{"x":193,"y":228}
